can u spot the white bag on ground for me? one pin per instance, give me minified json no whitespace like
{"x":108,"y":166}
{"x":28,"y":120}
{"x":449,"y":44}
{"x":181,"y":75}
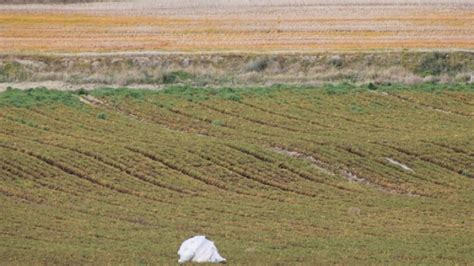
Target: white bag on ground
{"x":199,"y":249}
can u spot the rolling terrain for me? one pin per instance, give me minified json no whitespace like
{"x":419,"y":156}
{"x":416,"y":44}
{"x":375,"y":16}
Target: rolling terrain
{"x":285,"y":174}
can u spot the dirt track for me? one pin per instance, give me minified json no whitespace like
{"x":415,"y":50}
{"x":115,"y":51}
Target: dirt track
{"x":66,"y":86}
{"x":232,"y":25}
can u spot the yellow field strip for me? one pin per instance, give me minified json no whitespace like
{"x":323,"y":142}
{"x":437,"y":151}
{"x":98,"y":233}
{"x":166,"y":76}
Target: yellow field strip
{"x":25,"y":32}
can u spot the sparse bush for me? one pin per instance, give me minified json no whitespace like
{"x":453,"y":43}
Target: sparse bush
{"x":257,"y":65}
{"x":233,"y":97}
{"x":372,"y":87}
{"x":82,"y":91}
{"x":12,"y":71}
{"x":434,"y":64}
{"x":335,"y":61}
{"x":230,"y":94}
{"x":102,"y":116}
{"x":176,"y":77}
{"x":338,"y":89}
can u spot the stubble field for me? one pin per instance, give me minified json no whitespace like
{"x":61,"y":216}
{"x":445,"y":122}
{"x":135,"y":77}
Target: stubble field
{"x":258,"y":26}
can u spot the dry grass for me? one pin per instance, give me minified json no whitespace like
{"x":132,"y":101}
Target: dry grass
{"x":234,"y":69}
{"x":236,"y":26}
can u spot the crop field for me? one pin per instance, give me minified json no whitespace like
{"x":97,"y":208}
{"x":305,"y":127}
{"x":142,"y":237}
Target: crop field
{"x":282,"y":174}
{"x":233,"y":26}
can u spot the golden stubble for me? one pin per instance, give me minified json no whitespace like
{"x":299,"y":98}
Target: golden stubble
{"x":22,"y":31}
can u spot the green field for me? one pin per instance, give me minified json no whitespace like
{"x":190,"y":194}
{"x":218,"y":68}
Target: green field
{"x":334,"y":174}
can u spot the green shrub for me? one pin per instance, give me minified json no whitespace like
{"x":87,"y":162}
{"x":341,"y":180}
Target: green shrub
{"x":231,"y":94}
{"x":102,"y":116}
{"x":82,"y":91}
{"x":436,"y":63}
{"x":233,"y":97}
{"x":118,"y":94}
{"x":176,"y":77}
{"x":372,"y":87}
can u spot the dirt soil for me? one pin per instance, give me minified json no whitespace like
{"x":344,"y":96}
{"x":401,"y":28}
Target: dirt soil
{"x":66,"y":86}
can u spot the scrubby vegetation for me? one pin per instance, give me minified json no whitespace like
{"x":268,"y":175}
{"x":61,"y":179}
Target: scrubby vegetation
{"x":242,"y":69}
{"x":317,"y":175}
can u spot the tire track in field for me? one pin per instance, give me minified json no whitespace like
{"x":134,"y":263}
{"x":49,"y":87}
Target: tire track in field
{"x":121,"y":168}
{"x":459,"y":100}
{"x":97,"y":132}
{"x":381,"y":168}
{"x":458,"y":159}
{"x":167,"y":122}
{"x":228,"y":167}
{"x":425,"y":177}
{"x":344,"y":171}
{"x":348,"y":119}
{"x":74,"y":185}
{"x":170,"y":165}
{"x":236,"y":169}
{"x":427,"y":160}
{"x":22,"y":196}
{"x":283,"y":165}
{"x":18,"y":171}
{"x":57,"y":132}
{"x":205,"y":120}
{"x":256,"y":121}
{"x":129,"y":112}
{"x":430,"y":107}
{"x":290,"y":117}
{"x":264,"y":133}
{"x":72,"y":122}
{"x":74,"y":172}
{"x":453,"y":149}
{"x":295,"y":105}
{"x":238,"y":191}
{"x":210,"y":122}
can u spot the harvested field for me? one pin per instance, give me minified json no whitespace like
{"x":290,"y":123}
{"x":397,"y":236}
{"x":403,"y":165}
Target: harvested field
{"x":233,"y":26}
{"x":334,"y":174}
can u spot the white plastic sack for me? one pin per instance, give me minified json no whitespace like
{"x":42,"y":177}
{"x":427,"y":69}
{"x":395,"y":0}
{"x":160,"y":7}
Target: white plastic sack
{"x":199,"y":249}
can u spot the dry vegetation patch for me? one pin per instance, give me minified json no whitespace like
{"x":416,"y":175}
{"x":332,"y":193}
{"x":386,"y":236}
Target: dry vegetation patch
{"x":156,"y":70}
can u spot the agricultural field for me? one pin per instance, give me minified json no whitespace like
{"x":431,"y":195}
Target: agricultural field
{"x":288,"y":132}
{"x":234,"y":26}
{"x":283,"y":174}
